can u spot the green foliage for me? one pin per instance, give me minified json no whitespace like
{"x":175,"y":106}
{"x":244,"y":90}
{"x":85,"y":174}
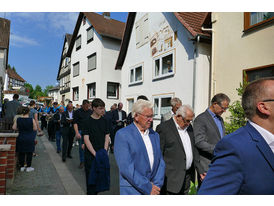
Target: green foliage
{"x":46,"y":90}
{"x":237,"y":118}
{"x":37,"y":91}
{"x":193,"y":190}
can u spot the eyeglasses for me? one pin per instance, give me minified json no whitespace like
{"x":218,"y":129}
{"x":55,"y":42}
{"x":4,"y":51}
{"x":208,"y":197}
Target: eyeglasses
{"x":268,"y":100}
{"x":223,"y":108}
{"x":187,"y":121}
{"x":146,"y":116}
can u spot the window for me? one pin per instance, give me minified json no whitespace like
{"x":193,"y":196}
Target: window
{"x":259,"y":72}
{"x":163,"y":65}
{"x":130,"y":103}
{"x":75,"y":94}
{"x":136,"y":74}
{"x":253,"y":19}
{"x":76,"y":69}
{"x":78,"y":43}
{"x":112,"y":90}
{"x":91,"y":90}
{"x":142,"y":34}
{"x":90,"y":34}
{"x":92,"y":62}
{"x":161,"y":105}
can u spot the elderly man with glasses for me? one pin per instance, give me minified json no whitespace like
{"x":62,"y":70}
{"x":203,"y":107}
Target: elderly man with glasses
{"x":138,"y":154}
{"x":179,"y":152}
{"x":209,"y":128}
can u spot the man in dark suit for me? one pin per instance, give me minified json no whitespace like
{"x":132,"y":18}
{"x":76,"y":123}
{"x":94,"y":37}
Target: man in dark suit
{"x":209,"y":128}
{"x":58,"y":125}
{"x":243,"y":161}
{"x":67,"y":132}
{"x":119,"y":118}
{"x":179,"y":152}
{"x":11,"y":108}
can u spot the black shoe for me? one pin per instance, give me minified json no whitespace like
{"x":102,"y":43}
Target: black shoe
{"x":69,"y":156}
{"x":58,"y":151}
{"x":63,"y":159}
{"x":81,"y":165}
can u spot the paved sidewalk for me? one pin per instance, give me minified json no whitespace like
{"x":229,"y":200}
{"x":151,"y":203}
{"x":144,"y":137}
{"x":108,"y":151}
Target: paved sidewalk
{"x":54,"y":177}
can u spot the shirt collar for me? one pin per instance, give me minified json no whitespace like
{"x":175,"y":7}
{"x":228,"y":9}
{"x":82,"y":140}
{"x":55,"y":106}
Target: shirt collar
{"x":268,"y":136}
{"x":212,"y":113}
{"x":142,"y":134}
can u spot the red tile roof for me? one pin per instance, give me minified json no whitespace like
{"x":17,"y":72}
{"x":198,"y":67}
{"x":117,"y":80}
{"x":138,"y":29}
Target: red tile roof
{"x":193,"y":21}
{"x":12,"y":74}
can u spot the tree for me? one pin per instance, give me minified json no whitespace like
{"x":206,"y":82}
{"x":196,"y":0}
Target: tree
{"x":29,"y":88}
{"x":237,"y":118}
{"x":46,"y":90}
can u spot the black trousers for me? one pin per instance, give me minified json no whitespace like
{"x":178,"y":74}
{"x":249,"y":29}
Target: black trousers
{"x":22,"y":156}
{"x":43,"y":122}
{"x":67,"y":135}
{"x":51,"y":130}
{"x":185,"y":187}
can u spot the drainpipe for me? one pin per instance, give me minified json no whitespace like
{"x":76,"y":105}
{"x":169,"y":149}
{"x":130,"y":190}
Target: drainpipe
{"x":211,"y":67}
{"x":194,"y":72}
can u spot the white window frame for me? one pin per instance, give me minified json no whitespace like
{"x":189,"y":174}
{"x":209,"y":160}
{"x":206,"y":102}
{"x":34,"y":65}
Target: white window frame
{"x":92,"y":36}
{"x":75,"y":94}
{"x":94,"y":55}
{"x":89,"y":93}
{"x":74,"y":69}
{"x":134,"y":74}
{"x":160,"y":97}
{"x":116,"y":91}
{"x":128,"y":104}
{"x":160,"y":58}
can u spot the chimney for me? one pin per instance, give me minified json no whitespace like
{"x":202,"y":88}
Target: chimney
{"x":106,"y":15}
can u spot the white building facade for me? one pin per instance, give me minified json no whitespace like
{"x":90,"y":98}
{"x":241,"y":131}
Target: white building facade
{"x":93,"y":56}
{"x":164,"y":60}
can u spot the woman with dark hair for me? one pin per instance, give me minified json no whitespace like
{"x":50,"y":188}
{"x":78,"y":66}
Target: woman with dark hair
{"x":26,"y":139}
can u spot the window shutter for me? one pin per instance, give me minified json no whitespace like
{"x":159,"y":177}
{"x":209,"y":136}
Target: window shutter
{"x":92,"y":62}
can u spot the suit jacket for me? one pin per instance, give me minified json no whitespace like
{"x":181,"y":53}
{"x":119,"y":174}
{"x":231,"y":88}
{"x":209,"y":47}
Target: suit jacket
{"x":166,"y":116}
{"x":56,"y":118}
{"x":115,"y":116}
{"x":206,"y":135}
{"x":175,"y":157}
{"x":11,"y":109}
{"x":132,"y":159}
{"x":243,"y":163}
{"x":64,"y":121}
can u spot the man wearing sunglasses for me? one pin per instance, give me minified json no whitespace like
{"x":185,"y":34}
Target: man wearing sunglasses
{"x":243,"y":161}
{"x":209,"y":128}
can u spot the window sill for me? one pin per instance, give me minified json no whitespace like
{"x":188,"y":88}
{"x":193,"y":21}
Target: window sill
{"x":165,"y":76}
{"x":258,"y":25}
{"x":91,"y":69}
{"x":135,"y":83}
{"x":108,"y":97}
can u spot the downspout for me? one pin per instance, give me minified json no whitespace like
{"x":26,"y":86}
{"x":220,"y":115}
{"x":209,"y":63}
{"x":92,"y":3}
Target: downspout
{"x":194,"y":72}
{"x":211,"y":67}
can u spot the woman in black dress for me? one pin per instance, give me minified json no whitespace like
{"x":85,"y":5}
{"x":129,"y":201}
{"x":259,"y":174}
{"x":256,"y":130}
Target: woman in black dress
{"x":26,"y":139}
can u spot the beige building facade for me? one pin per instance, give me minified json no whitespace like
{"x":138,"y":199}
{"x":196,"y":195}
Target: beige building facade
{"x":240,"y":42}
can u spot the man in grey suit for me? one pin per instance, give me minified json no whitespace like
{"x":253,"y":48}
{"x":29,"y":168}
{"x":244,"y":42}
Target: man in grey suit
{"x":175,"y":104}
{"x":11,"y":108}
{"x":179,"y":152}
{"x":209,"y":128}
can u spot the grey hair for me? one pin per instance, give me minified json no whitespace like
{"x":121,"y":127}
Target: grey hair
{"x":219,"y":98}
{"x":175,"y":101}
{"x":140,"y":105}
{"x":183,"y":109}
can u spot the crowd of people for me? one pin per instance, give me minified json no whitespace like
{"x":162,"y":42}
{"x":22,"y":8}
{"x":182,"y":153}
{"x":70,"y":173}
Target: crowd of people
{"x":165,"y":161}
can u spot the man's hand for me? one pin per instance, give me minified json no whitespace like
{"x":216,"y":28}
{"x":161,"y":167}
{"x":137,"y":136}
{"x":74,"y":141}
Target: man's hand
{"x":78,"y":135}
{"x":155,"y":190}
{"x":202,"y":176}
{"x":83,"y":147}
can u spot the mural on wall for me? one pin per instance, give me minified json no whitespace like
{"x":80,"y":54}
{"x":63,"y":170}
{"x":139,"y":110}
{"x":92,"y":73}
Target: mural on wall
{"x":162,"y":40}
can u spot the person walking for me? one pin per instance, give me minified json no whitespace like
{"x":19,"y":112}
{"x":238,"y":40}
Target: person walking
{"x":26,"y":139}
{"x":57,"y":117}
{"x":80,"y":117}
{"x":97,"y":139}
{"x":243,"y":162}
{"x":11,"y":107}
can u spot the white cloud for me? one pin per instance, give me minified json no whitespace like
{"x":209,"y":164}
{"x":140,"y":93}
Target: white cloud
{"x":20,"y":41}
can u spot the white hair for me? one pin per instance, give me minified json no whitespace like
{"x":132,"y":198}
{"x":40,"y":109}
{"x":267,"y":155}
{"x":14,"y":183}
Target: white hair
{"x":175,"y":101}
{"x":183,"y":109}
{"x":140,"y":105}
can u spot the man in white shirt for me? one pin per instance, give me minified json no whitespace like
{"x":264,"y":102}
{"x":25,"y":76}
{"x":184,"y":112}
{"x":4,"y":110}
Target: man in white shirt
{"x":243,"y":161}
{"x":138,"y":154}
{"x":175,"y":104}
{"x":179,"y":152}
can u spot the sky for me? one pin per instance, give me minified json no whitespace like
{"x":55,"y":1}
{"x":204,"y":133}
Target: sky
{"x":36,"y":42}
